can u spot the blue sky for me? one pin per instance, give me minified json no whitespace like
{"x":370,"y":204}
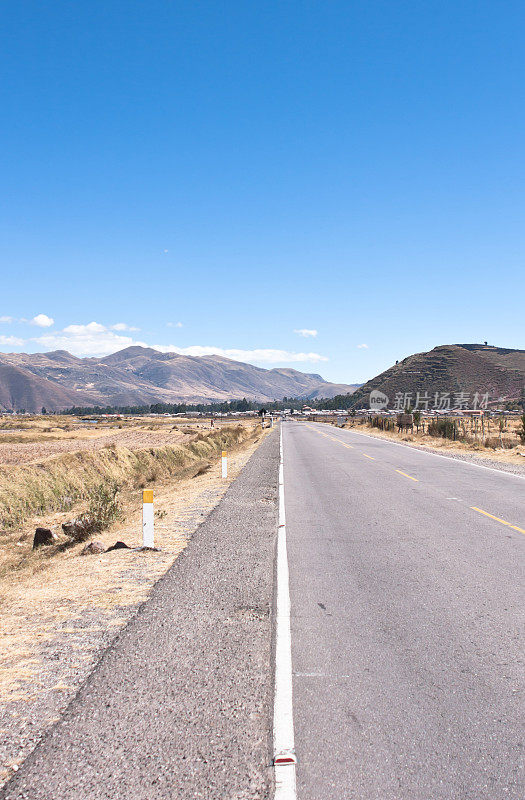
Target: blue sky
{"x":324,"y":185}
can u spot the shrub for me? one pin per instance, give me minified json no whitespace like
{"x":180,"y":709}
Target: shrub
{"x":446,"y":428}
{"x":104,"y":506}
{"x":521,"y":431}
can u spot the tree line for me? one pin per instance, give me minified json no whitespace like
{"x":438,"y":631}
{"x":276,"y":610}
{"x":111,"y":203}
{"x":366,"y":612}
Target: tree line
{"x":230,"y":406}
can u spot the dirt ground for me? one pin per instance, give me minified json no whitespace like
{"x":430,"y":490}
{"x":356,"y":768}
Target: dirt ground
{"x":58,"y":615}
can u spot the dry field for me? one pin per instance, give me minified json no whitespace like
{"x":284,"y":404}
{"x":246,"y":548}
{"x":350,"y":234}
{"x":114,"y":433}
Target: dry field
{"x":59,"y":609}
{"x":31,"y":441}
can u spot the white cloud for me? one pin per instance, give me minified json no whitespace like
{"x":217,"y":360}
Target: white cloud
{"x":92,"y":339}
{"x":91,"y":327}
{"x":362,"y":347}
{"x":306,"y":332}
{"x":11,"y":341}
{"x":121,"y":326}
{"x":173,"y":324}
{"x":95,"y":339}
{"x":42,"y":321}
{"x":259,"y":356}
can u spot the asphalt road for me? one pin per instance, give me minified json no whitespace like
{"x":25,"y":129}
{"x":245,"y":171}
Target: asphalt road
{"x":180,"y":705}
{"x":406,"y":621}
{"x":406,"y":618}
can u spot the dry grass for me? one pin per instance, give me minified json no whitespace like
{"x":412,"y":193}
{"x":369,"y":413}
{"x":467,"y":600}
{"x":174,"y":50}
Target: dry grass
{"x":61,"y":482}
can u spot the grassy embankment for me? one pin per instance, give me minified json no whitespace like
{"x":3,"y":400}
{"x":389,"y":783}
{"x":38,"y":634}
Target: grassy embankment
{"x":90,"y":480}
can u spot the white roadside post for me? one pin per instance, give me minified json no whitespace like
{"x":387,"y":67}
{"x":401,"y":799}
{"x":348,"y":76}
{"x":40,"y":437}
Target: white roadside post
{"x":224,"y":464}
{"x":147,"y":518}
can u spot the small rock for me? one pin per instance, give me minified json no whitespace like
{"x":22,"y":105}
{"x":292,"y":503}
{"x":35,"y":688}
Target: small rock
{"x":43,"y":536}
{"x":79,"y":529}
{"x":118,"y":546}
{"x":93,"y":549}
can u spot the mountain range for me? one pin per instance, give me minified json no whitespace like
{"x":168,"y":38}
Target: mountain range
{"x":142,"y":376}
{"x":468,"y":368}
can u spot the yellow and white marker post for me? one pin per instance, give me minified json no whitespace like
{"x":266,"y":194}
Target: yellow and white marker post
{"x":224,"y":464}
{"x":147,"y":518}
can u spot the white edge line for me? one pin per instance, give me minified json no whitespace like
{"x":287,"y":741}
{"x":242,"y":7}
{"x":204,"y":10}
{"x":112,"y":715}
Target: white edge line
{"x":283,"y":729}
{"x":428,"y":453}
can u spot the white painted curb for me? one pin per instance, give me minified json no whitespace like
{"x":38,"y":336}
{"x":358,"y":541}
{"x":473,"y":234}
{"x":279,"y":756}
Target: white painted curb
{"x":283,"y":730}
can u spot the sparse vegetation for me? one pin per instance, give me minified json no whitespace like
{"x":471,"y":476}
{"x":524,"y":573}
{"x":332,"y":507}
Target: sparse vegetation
{"x":521,"y":431}
{"x":446,"y":428}
{"x":104,"y":506}
{"x":504,"y":436}
{"x":59,"y":483}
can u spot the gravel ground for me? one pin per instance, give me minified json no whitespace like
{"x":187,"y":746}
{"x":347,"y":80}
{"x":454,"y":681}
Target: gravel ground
{"x":180,"y":703}
{"x":515,"y":469}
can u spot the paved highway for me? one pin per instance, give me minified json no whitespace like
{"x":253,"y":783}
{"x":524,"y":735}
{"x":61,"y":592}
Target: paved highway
{"x":406,"y":596}
{"x":406,"y":617}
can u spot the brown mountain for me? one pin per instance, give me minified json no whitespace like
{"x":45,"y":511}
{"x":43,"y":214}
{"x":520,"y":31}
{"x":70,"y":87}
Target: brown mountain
{"x":141,"y":375}
{"x":453,"y":368}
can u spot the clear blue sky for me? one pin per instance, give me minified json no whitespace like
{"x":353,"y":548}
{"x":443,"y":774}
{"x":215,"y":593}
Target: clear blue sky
{"x":244,"y":170}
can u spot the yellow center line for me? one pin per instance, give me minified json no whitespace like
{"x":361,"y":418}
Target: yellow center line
{"x":333,"y":438}
{"x":503,"y":522}
{"x":474,"y":508}
{"x":340,"y":442}
{"x":407,"y":476}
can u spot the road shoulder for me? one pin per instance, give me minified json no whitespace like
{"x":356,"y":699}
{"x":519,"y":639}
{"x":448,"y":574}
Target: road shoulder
{"x":180,"y":704}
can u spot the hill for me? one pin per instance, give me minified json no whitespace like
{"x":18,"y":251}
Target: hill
{"x":453,"y":368}
{"x":141,"y":375}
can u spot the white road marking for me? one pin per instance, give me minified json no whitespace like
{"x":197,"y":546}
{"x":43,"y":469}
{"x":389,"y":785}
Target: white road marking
{"x":319,"y":675}
{"x":283,"y":730}
{"x":436,"y":455}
